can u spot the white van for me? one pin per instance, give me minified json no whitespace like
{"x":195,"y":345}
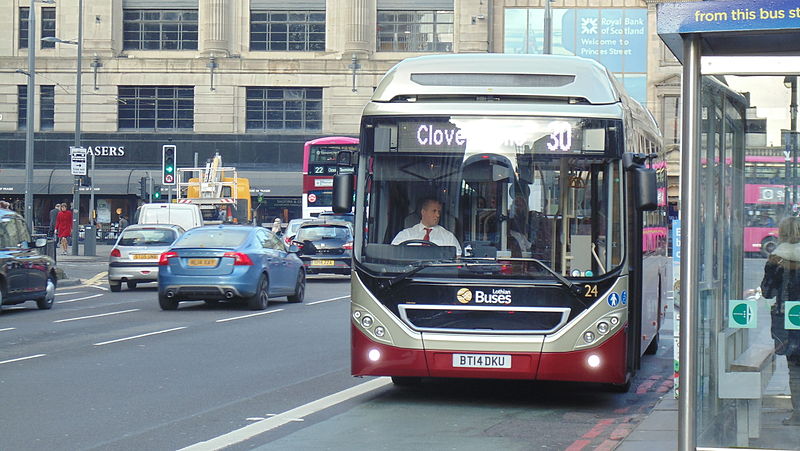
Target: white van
{"x":187,"y":216}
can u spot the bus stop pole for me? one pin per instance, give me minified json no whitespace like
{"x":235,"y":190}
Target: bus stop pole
{"x":690,"y":222}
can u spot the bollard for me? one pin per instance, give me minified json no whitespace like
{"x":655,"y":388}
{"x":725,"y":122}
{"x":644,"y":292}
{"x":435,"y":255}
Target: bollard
{"x":90,"y":240}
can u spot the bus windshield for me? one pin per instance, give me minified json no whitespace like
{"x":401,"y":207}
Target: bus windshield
{"x":524,"y":197}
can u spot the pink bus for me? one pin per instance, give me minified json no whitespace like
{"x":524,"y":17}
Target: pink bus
{"x":319,"y":167}
{"x":763,"y":205}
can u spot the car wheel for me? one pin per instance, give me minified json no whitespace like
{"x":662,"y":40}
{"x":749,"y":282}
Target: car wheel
{"x":131,"y":285}
{"x":260,"y":299}
{"x":115,"y":286}
{"x":167,"y":303}
{"x":46,"y":302}
{"x":299,"y":289}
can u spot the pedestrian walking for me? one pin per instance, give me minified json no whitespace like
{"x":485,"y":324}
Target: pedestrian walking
{"x":782,"y":281}
{"x":123,"y":222}
{"x":53,"y":215}
{"x":64,"y":227}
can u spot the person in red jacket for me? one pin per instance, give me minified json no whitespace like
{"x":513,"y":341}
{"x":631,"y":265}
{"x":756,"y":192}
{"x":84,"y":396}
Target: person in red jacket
{"x":64,"y":227}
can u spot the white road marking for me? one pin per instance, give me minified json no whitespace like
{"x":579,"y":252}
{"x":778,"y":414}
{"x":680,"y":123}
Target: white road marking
{"x":234,"y":318}
{"x":95,"y":316}
{"x":99,"y":287}
{"x":328,"y":300}
{"x":138,"y":336}
{"x":7,"y":329}
{"x":69,"y":292}
{"x":79,"y":299}
{"x":96,"y":278}
{"x":260,"y":427}
{"x":23,"y":358}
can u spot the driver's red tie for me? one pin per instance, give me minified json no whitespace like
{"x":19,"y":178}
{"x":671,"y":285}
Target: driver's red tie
{"x":427,"y":234}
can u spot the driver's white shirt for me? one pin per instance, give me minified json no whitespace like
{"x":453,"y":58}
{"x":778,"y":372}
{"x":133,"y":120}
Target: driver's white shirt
{"x":439,"y":236}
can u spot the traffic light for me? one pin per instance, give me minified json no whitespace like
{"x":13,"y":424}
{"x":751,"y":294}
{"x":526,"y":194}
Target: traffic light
{"x":85,"y":180}
{"x":156,"y":192}
{"x":143,"y":187}
{"x":168,"y":165}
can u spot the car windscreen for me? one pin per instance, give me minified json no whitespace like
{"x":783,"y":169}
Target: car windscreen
{"x":147,"y":237}
{"x":216,"y":238}
{"x":323,"y":232}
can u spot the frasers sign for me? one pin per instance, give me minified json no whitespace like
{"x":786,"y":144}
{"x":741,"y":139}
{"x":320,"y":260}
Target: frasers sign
{"x":106,"y":151}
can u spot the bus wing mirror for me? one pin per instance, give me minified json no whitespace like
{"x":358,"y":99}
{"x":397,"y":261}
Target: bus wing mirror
{"x":644,"y":181}
{"x":343,"y":193}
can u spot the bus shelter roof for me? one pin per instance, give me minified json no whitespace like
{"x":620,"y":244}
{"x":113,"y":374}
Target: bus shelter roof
{"x":732,"y":27}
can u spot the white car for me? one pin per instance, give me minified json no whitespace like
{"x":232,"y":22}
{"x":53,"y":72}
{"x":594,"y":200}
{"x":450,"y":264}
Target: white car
{"x":134,"y":257}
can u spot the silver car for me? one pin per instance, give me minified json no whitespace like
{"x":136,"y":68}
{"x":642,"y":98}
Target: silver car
{"x":134,"y":258}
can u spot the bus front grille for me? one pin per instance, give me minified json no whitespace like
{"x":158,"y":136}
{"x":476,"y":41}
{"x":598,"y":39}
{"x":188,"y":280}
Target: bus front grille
{"x":483,"y":319}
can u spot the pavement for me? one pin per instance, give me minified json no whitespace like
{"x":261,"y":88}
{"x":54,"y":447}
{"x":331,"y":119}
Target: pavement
{"x":658,"y":430}
{"x":78,"y":269}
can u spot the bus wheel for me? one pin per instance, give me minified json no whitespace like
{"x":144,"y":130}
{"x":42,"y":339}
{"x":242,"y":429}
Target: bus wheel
{"x":620,"y":388}
{"x":406,"y":381}
{"x":768,"y":245}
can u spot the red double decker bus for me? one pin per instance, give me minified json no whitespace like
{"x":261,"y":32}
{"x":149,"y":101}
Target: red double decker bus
{"x":319,"y":167}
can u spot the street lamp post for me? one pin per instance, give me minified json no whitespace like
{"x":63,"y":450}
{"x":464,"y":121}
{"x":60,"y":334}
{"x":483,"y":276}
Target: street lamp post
{"x":76,"y":196}
{"x":29,"y":117}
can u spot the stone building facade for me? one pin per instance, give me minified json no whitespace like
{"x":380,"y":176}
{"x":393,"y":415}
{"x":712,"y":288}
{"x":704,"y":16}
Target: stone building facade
{"x":255,"y":79}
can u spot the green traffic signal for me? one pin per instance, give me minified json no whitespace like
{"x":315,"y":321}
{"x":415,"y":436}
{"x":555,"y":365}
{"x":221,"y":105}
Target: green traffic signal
{"x":156,"y":195}
{"x":169,"y":169}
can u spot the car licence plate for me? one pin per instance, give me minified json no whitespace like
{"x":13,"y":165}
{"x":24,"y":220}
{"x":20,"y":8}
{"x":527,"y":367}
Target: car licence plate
{"x":202,"y":262}
{"x":481,"y":361}
{"x":322,"y":263}
{"x":146,"y":257}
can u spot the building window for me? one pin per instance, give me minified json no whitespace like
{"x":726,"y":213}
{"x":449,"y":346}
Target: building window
{"x":48,"y":21}
{"x":590,"y":33}
{"x":284,"y":109}
{"x":22,"y":107}
{"x":415,"y":31}
{"x":302,"y":31}
{"x":47,"y":107}
{"x":155,"y":108}
{"x":154,"y":29}
{"x":670,"y":119}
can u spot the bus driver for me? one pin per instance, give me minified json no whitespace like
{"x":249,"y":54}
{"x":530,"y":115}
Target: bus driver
{"x":429,"y":229}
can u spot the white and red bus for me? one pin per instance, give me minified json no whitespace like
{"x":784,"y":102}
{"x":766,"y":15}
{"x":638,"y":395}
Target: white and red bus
{"x":319,"y":167}
{"x":547,"y":175}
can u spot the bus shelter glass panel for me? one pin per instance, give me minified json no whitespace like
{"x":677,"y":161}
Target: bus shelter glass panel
{"x":748,"y":349}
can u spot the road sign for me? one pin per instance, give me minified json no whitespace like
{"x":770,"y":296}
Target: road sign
{"x":792,"y":320}
{"x":312,"y":198}
{"x":78,"y":160}
{"x":742,"y":314}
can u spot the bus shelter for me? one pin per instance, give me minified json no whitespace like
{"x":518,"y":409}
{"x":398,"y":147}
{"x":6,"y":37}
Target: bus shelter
{"x":737,"y":380}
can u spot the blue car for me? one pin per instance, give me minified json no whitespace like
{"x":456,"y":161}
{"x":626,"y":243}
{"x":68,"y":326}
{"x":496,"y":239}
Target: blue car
{"x":229,"y":262}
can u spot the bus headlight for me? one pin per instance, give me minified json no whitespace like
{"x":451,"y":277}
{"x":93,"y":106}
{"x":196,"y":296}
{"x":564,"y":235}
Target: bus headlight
{"x":593,"y":361}
{"x":366,"y":321}
{"x":374,"y":355}
{"x":614,"y":320}
{"x":357,"y":314}
{"x":588,"y":336}
{"x":379,"y":331}
{"x":602,"y":327}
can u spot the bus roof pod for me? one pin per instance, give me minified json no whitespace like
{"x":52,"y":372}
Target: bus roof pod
{"x":565,"y":78}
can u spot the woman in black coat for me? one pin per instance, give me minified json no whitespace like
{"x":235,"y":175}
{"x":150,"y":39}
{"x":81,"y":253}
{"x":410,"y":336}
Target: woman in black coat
{"x":782,"y":281}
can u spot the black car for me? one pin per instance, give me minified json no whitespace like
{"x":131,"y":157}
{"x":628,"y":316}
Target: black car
{"x":25,"y":273}
{"x":325,"y":246}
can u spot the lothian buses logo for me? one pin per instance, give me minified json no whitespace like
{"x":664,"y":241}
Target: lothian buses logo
{"x":464,"y":295}
{"x":496,"y":296}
